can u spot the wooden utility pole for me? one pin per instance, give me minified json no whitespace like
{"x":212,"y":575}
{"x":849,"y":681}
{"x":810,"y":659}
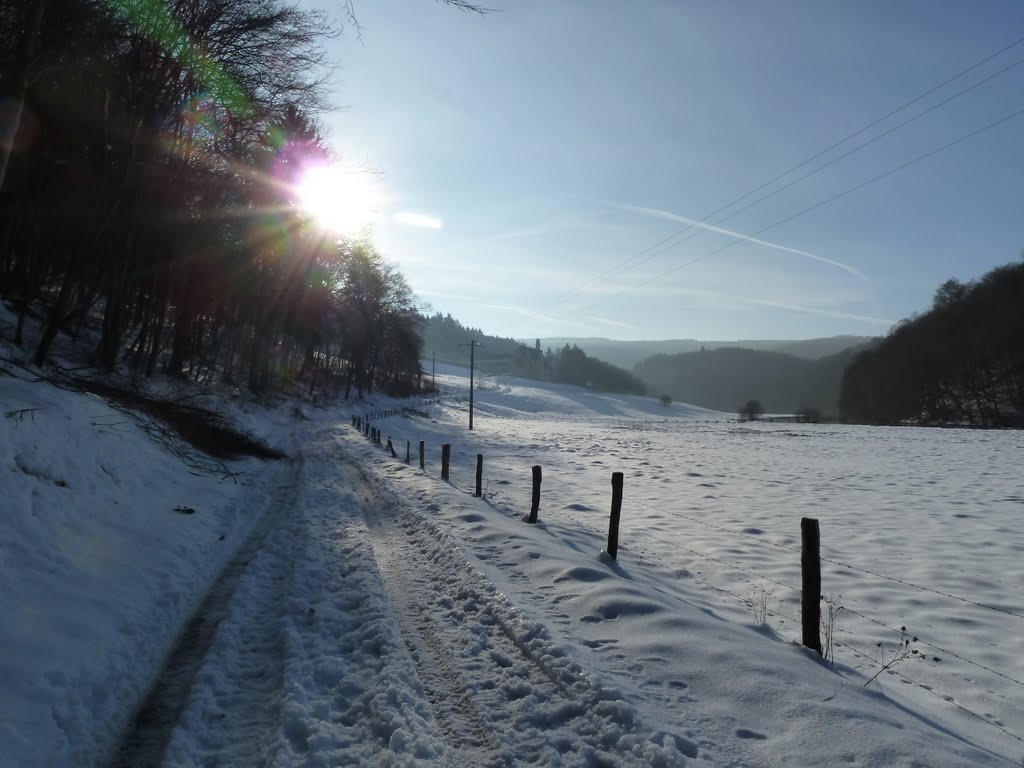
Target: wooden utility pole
{"x":472,"y":348}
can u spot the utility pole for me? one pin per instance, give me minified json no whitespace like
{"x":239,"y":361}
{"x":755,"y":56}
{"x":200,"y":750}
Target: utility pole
{"x":472,"y":347}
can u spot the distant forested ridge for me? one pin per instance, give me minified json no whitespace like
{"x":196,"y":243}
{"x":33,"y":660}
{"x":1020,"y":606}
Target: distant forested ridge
{"x":146,"y":197}
{"x":626,"y":354}
{"x":961,"y":362}
{"x":447,"y":340}
{"x":726,"y":378}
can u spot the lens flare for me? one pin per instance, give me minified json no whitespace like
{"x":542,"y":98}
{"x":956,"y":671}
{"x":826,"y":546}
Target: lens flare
{"x":344,"y":200}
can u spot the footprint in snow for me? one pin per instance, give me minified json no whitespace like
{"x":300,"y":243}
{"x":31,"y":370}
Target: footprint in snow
{"x":746,"y":733}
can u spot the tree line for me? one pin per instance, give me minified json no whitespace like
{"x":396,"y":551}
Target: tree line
{"x":449,"y":339}
{"x":961,"y":362}
{"x":147,"y":203}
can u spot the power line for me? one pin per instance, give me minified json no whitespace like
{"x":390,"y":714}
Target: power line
{"x":811,"y":159}
{"x":830,"y":163}
{"x":826,"y":201}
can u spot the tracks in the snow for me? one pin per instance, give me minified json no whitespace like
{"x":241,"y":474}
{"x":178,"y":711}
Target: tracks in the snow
{"x":251,"y":680}
{"x":465,"y":732}
{"x":501,"y":694}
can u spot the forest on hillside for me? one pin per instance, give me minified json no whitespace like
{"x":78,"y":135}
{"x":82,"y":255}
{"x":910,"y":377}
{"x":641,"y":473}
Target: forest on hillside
{"x":726,"y":378}
{"x":147,"y":198}
{"x":961,"y":362}
{"x":448,"y":340}
{"x":626,"y":354}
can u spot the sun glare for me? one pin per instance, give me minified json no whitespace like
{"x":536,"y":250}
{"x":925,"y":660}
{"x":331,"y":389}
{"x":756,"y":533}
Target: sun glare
{"x":340,"y":199}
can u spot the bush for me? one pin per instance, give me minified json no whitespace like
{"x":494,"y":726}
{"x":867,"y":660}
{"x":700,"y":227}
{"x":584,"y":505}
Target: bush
{"x":751,"y":410}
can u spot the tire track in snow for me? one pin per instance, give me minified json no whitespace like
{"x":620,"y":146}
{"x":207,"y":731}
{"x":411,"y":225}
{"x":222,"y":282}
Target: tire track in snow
{"x":467,"y":735}
{"x":501,"y":690}
{"x":244,"y":717}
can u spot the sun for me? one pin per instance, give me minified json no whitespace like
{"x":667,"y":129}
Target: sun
{"x":340,"y":199}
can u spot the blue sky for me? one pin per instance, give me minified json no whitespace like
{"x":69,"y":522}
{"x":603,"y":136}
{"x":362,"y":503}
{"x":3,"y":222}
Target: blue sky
{"x":524,"y":156}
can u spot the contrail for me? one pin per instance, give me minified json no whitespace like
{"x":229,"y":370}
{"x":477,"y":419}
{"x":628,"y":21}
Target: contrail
{"x":657,"y":212}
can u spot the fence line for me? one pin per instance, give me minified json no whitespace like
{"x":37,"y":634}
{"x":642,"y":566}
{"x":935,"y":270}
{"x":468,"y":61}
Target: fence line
{"x":746,"y":600}
{"x":831,"y":561}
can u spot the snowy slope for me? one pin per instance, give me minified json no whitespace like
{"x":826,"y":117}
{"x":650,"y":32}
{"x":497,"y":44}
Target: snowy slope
{"x":360,"y":611}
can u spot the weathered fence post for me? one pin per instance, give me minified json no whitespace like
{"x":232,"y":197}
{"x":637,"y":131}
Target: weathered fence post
{"x":479,"y":474}
{"x":535,"y":501}
{"x":408,"y":451}
{"x":422,"y":452}
{"x":394,"y":453}
{"x":613,"y":524}
{"x":810,"y":569}
{"x":446,"y":456}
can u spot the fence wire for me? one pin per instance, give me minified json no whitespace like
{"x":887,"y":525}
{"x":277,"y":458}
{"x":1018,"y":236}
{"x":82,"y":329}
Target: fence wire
{"x":491,"y":469}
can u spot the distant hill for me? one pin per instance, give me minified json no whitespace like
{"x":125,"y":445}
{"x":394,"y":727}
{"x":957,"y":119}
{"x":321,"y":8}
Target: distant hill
{"x":784,"y":375}
{"x":725,"y":378}
{"x":447,"y":341}
{"x":627,"y":354}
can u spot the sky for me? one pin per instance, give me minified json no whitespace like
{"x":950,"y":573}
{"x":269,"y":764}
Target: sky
{"x":529,"y":164}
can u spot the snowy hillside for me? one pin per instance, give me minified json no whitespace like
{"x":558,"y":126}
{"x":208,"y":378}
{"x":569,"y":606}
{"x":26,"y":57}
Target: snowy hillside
{"x":357,"y":610}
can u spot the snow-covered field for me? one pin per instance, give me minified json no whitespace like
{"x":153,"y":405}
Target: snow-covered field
{"x":351,"y":609}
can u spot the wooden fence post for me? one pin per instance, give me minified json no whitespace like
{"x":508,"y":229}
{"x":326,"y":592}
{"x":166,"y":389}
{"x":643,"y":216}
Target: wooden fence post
{"x":479,"y":474}
{"x":535,"y":501}
{"x":422,"y":462}
{"x":446,"y":456}
{"x":613,"y":524}
{"x":408,"y":451}
{"x":394,"y":453}
{"x":810,"y":569}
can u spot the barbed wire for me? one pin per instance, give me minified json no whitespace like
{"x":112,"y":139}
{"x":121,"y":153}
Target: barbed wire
{"x":867,"y":657}
{"x":936,"y":647}
{"x":923,"y":588}
{"x":492,"y":468}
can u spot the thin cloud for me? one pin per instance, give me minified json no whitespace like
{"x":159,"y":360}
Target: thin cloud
{"x":609,"y":322}
{"x":419,"y":220}
{"x":518,"y":233}
{"x":575,"y":221}
{"x":818,"y":311}
{"x":658,"y":213}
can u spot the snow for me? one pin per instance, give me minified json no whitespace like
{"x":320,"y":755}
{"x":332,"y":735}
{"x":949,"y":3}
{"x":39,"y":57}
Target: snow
{"x":345,"y":608}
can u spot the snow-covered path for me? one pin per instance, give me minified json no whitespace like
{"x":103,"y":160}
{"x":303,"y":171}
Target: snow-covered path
{"x":217,"y":700}
{"x":352,"y":609}
{"x":350,"y":629}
